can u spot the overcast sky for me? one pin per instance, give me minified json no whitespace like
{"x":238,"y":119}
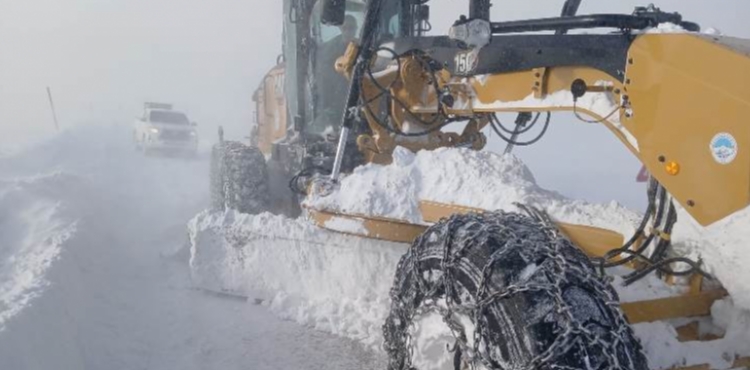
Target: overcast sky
{"x":103,"y":58}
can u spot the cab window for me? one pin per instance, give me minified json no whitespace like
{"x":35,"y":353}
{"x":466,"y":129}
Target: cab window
{"x":329,"y":88}
{"x":355,"y":17}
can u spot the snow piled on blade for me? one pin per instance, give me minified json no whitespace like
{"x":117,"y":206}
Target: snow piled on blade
{"x":462,"y":177}
{"x":330,"y":281}
{"x":32,"y":234}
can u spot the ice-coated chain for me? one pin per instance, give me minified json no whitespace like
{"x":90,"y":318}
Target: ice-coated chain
{"x":536,"y":239}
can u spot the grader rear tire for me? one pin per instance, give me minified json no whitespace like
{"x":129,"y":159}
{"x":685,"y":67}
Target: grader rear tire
{"x":239,"y":178}
{"x":533,"y":299}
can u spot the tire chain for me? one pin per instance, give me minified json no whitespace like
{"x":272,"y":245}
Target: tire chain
{"x":399,"y":342}
{"x":238,"y":160}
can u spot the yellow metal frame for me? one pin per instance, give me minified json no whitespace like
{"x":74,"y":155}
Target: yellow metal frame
{"x":593,"y":241}
{"x":679,"y":92}
{"x":684,"y":90}
{"x":379,"y":228}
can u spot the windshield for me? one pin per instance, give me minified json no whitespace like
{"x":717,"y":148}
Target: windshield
{"x":353,"y":20}
{"x":329,"y":88}
{"x":161,"y":116}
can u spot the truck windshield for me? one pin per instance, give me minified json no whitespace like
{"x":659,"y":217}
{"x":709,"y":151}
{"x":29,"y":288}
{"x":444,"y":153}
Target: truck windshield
{"x":175,"y":118}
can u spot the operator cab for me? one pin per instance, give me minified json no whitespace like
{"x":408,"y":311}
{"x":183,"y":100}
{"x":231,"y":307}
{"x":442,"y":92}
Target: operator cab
{"x":300,"y":103}
{"x":329,"y":88}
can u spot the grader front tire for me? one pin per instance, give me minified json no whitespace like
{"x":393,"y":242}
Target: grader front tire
{"x":534,"y":300}
{"x":239,"y":178}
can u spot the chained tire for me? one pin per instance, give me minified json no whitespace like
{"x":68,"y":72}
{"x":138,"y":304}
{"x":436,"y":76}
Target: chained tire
{"x":534,"y":300}
{"x":239,"y":178}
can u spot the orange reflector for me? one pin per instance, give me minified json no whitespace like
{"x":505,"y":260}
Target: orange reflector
{"x":672,"y":168}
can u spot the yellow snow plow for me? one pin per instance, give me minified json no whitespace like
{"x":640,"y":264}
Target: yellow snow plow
{"x":517,"y":287}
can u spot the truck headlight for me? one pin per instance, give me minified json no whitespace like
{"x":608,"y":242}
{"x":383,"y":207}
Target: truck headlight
{"x":193,"y":133}
{"x":154,"y":130}
{"x":474,"y":33}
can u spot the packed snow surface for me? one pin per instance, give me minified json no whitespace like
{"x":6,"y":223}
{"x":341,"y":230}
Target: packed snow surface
{"x":341,"y":283}
{"x":33,"y":232}
{"x":94,"y":274}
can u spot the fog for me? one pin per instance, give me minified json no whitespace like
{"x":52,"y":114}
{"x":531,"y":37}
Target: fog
{"x":103,"y":59}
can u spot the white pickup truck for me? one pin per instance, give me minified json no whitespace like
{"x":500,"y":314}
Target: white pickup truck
{"x":163,"y":129}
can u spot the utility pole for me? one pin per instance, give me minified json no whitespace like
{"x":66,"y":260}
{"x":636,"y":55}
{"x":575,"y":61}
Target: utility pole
{"x":52,"y":106}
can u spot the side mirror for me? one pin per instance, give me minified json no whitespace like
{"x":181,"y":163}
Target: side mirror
{"x":333,"y":12}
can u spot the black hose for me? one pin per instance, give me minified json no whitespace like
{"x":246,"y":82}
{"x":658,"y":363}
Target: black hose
{"x":694,"y":268}
{"x":494,"y":121}
{"x":521,"y":131}
{"x":640,"y":231}
{"x":605,"y":118}
{"x":294,"y":182}
{"x":385,"y":91}
{"x":657,"y":261}
{"x":619,"y":21}
{"x":654,"y":188}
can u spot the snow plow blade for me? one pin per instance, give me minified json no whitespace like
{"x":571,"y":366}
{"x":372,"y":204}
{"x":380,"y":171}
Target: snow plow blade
{"x":380,"y":228}
{"x":594,"y":241}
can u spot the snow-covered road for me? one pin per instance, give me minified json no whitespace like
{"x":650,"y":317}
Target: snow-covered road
{"x":99,"y":231}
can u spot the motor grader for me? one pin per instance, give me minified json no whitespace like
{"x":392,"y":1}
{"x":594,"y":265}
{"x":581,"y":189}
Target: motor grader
{"x":517,"y":289}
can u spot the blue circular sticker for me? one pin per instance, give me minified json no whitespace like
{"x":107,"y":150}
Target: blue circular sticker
{"x":724,"y":148}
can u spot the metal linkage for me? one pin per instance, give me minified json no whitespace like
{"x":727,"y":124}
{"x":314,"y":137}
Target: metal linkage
{"x":643,"y":18}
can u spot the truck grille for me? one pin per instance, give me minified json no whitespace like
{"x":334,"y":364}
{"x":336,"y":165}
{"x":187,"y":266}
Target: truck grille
{"x":175,"y":135}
